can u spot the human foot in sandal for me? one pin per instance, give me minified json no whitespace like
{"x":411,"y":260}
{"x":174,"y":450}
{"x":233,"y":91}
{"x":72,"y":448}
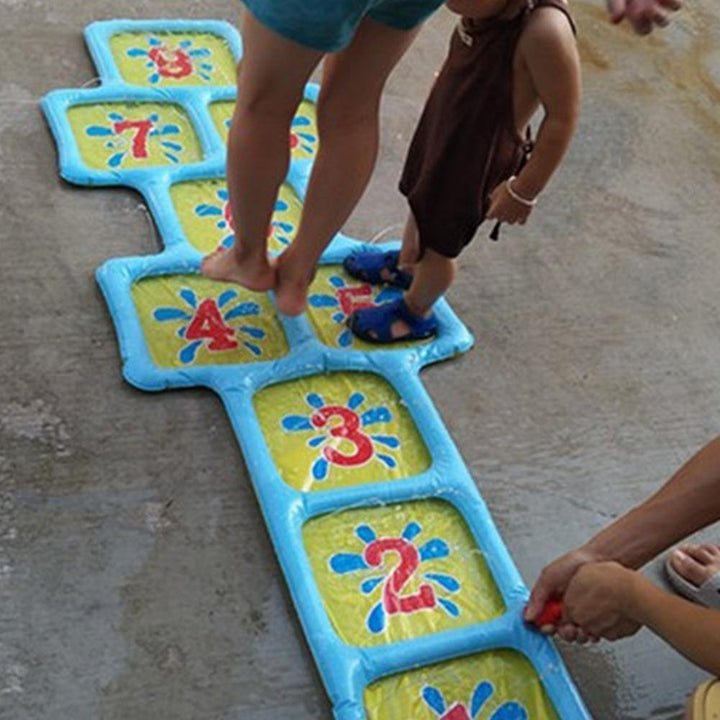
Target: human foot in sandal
{"x":391,"y":322}
{"x":704,"y":703}
{"x":376,"y":268}
{"x":694,"y":572}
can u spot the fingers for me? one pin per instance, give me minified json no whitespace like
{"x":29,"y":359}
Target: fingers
{"x":642,"y":27}
{"x":567,"y":632}
{"x":538,"y":597}
{"x":582,"y":637}
{"x":643,"y":15}
{"x":646,"y":23}
{"x":575,"y":634}
{"x":660,"y":18}
{"x":505,"y":208}
{"x":616,"y":8}
{"x":502,"y":212}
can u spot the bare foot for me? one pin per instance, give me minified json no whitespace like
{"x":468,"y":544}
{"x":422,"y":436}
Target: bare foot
{"x":224,"y":264}
{"x":292,"y":286}
{"x":696,"y":563}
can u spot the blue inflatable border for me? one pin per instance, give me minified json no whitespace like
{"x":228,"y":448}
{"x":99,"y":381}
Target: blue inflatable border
{"x":346,"y":670}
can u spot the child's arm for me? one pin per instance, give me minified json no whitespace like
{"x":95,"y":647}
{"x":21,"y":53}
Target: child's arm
{"x":691,"y":629}
{"x":463,"y":7}
{"x":610,"y":601}
{"x":643,"y":15}
{"x":549,"y":52}
{"x":690,"y":500}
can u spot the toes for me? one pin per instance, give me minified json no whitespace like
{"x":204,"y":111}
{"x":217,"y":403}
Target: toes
{"x":688,"y":567}
{"x":219,"y":250}
{"x":699,"y":553}
{"x":582,"y":637}
{"x":212,"y":257}
{"x":712,"y":550}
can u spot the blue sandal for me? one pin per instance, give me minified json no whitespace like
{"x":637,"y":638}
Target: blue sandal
{"x":374,"y":324}
{"x":369,"y":265}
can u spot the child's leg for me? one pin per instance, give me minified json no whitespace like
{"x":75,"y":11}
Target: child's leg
{"x":432,"y":276}
{"x":410,"y":248}
{"x":393,"y":320}
{"x":348,"y":126}
{"x":271,"y":78}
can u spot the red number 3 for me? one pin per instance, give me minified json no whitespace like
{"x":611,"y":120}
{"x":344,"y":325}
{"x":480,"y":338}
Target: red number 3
{"x":349,"y":429}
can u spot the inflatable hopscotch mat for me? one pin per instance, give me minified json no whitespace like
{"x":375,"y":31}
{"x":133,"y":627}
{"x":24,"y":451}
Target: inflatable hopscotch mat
{"x":409,"y":600}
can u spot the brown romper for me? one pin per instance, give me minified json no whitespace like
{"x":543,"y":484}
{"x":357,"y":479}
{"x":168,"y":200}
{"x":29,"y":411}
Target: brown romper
{"x":466,"y":142}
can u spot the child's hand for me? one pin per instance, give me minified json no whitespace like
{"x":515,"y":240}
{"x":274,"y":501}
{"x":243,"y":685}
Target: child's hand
{"x":643,"y":15}
{"x":505,"y":208}
{"x":598,"y":599}
{"x":552,"y":583}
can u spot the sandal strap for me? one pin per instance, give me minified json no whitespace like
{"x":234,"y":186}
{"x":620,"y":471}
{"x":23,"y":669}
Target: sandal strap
{"x":368,"y":266}
{"x":707,"y":594}
{"x":375,"y":324}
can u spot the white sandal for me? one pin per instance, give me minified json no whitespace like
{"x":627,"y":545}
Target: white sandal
{"x":705,"y":701}
{"x":707,"y":594}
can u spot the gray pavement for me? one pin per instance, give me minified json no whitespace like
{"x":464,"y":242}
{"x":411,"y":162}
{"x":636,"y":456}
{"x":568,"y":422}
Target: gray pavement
{"x":137,"y":580}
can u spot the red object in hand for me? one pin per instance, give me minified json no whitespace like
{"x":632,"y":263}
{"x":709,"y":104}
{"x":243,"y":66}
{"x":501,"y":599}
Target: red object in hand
{"x":551,"y":614}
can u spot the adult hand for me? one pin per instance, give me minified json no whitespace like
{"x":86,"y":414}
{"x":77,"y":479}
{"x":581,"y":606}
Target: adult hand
{"x":552,"y":584}
{"x":598,"y":599}
{"x":505,"y":208}
{"x":643,"y":15}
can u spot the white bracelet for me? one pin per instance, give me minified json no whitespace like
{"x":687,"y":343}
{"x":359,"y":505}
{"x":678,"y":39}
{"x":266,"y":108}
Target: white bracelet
{"x":515,"y":196}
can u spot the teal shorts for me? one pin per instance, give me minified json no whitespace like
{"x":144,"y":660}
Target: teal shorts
{"x":329,"y":25}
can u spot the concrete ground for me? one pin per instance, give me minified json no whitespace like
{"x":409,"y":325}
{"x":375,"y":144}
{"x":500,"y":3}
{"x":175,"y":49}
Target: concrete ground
{"x":137,"y":580}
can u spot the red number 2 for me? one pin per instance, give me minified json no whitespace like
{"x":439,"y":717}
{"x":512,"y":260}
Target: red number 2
{"x":393,"y":602}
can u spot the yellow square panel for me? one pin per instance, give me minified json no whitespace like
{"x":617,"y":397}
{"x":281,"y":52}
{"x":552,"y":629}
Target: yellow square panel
{"x":495,"y":685}
{"x":341,"y":429}
{"x":203,"y":208}
{"x":304,"y":138}
{"x":189,"y":320}
{"x":399,"y":571}
{"x":333,"y":296}
{"x":124,"y":136}
{"x":173,"y":59}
